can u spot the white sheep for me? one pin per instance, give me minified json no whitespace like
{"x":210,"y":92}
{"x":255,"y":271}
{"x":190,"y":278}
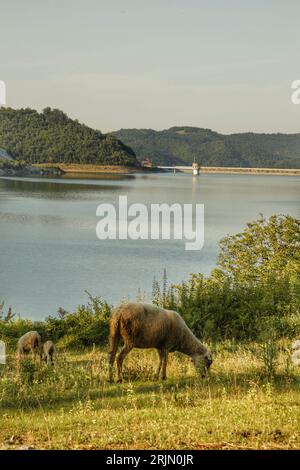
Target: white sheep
{"x":49,"y":351}
{"x":296,"y":353}
{"x":30,"y":342}
{"x":147,"y":326}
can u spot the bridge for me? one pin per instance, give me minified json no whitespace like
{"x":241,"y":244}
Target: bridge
{"x":194,"y":168}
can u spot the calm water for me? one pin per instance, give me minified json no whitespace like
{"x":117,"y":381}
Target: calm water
{"x":49,"y":253}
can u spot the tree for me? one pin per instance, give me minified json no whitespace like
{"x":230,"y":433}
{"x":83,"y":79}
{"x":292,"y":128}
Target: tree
{"x":265,"y":249}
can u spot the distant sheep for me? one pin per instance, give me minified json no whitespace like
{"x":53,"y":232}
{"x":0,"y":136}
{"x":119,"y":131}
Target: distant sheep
{"x":49,"y":352}
{"x":30,"y":342}
{"x":147,"y":326}
{"x":296,"y":353}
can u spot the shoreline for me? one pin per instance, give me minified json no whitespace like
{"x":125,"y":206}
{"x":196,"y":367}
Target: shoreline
{"x":77,"y":169}
{"x":86,"y":168}
{"x":254,"y":171}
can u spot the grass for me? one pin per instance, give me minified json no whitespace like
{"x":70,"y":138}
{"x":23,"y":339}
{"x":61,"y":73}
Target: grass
{"x":72,"y":406}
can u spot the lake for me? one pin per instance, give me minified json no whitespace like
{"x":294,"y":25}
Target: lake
{"x":49,"y":252}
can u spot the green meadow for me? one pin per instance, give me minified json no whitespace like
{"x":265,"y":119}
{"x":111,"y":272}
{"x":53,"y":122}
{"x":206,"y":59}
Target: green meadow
{"x":72,"y":406}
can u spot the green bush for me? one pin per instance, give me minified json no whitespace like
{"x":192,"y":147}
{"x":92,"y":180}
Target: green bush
{"x":257,"y":279}
{"x":86,"y":326}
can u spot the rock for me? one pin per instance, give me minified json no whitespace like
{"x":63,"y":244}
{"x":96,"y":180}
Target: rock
{"x":4,"y":154}
{"x":27,"y":171}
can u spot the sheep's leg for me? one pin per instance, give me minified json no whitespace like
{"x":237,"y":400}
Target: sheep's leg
{"x":20,"y":357}
{"x":161,"y":355}
{"x":120,"y":360}
{"x":33,"y":352}
{"x":114,"y":340}
{"x":112,"y":356}
{"x":164,"y":365}
{"x":36,"y":355}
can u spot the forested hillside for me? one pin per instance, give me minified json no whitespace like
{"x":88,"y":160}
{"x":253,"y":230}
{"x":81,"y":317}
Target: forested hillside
{"x":52,"y":137}
{"x":182,"y":144}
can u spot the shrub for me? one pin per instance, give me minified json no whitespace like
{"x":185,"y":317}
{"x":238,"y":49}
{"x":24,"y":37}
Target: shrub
{"x":257,"y":279}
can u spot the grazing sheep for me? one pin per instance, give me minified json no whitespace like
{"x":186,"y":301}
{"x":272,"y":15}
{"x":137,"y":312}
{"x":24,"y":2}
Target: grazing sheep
{"x":147,"y":326}
{"x":31,"y":341}
{"x":49,"y":350}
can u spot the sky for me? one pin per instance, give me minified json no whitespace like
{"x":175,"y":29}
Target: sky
{"x":226,"y":65}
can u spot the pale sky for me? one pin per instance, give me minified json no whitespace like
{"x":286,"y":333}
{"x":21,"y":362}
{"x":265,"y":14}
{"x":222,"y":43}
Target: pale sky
{"x":227,"y":65}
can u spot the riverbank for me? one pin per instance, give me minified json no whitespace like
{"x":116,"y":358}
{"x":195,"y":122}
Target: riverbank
{"x":78,"y":168}
{"x":27,"y":171}
{"x":86,"y":168}
{"x":254,"y":171}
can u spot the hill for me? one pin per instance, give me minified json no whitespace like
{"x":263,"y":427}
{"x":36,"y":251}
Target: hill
{"x":52,"y":137}
{"x":180,"y":145}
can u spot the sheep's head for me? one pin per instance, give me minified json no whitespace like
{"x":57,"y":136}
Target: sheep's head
{"x":207,"y":360}
{"x":202,"y":362}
